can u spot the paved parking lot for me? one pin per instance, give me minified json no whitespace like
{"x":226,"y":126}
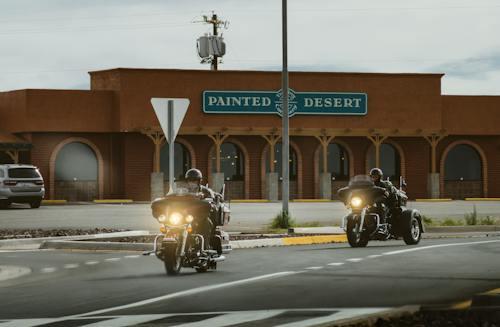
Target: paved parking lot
{"x":245,"y":216}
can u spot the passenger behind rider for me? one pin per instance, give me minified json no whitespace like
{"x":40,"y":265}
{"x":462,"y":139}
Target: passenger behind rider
{"x":376,"y":175}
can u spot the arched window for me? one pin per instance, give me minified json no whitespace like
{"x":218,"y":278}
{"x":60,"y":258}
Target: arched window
{"x":390,"y":161}
{"x":5,"y":158}
{"x":337,"y":161}
{"x":76,"y":162}
{"x":182,"y":161}
{"x":463,"y":163}
{"x":232,"y":162}
{"x":293,"y":168}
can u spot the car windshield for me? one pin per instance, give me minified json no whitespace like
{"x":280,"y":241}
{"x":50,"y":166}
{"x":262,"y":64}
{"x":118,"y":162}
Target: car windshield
{"x":24,"y":173}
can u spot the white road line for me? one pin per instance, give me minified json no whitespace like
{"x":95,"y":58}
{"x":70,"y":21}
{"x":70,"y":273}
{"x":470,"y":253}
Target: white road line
{"x":234,"y":318}
{"x":314,"y":268}
{"x":336,"y":264}
{"x":112,"y":259}
{"x":47,"y":270}
{"x":343,"y":314}
{"x":28,"y":322}
{"x":71,"y":266}
{"x":127,"y":320}
{"x":91,"y":263}
{"x":187,"y":293}
{"x":374,"y":256}
{"x":437,"y":246}
{"x":355,"y":259}
{"x":132,"y":256}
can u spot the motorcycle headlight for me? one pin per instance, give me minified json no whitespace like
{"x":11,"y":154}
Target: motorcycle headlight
{"x":162,"y":218}
{"x":356,"y":202}
{"x":189,"y":219}
{"x":175,"y":219}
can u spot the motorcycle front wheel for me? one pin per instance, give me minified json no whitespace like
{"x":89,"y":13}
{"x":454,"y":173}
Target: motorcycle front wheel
{"x":355,"y":237}
{"x":172,"y":260}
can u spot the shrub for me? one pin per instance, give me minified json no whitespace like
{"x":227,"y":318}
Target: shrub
{"x":487,"y":221}
{"x":427,"y":220}
{"x":471,"y":218}
{"x":451,"y":222}
{"x":282,"y":220}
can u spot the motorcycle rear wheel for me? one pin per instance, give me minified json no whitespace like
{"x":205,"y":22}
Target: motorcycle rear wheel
{"x":412,"y":232}
{"x":172,"y":260}
{"x":356,"y":239}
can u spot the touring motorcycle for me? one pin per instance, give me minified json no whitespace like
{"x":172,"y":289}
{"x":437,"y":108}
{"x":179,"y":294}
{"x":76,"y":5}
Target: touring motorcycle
{"x":368,"y":204}
{"x":184,"y":216}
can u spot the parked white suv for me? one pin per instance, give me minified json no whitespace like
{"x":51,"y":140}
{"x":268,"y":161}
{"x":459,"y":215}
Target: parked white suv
{"x":21,"y":184}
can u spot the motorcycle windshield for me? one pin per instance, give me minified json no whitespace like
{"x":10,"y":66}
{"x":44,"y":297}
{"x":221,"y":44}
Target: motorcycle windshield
{"x":361,"y":181}
{"x":185,"y":188}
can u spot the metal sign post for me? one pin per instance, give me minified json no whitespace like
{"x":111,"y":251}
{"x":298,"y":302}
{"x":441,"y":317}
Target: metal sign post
{"x":171,"y":144}
{"x":284,"y":86}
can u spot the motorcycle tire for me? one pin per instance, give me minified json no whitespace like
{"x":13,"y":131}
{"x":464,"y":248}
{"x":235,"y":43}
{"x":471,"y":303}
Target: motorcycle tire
{"x":412,"y":230}
{"x":356,"y":240}
{"x":172,"y":261}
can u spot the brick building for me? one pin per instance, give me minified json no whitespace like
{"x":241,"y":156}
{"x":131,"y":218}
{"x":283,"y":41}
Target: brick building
{"x":106,"y":142}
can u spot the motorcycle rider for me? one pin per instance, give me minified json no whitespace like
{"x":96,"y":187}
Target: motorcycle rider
{"x":207,"y":226}
{"x":376,"y":175}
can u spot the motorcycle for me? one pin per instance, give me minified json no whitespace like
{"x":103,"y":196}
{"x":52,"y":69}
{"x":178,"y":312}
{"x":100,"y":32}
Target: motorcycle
{"x":184,"y":216}
{"x":368,"y":204}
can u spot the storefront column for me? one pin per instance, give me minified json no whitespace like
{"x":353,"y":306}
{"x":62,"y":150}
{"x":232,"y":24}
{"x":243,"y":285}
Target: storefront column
{"x":272,"y":178}
{"x":325,"y":177}
{"x":433,"y":177}
{"x":217,"y":177}
{"x":14,"y":155}
{"x":377,"y":141}
{"x":157,"y":182}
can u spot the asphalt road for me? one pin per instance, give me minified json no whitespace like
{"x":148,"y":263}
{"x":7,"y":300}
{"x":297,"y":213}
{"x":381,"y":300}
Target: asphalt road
{"x":318,"y":281}
{"x":244,"y":216}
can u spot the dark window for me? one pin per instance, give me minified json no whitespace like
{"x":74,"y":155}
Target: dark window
{"x":23,"y":173}
{"x":2,"y":174}
{"x":182,"y":161}
{"x":76,"y":162}
{"x":390,"y":162}
{"x":463,"y":163}
{"x":5,"y":158}
{"x":278,"y":160}
{"x":337,"y":160}
{"x":232,"y":162}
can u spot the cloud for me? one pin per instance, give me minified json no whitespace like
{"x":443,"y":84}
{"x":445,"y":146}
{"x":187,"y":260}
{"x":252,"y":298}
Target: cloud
{"x":474,"y":67}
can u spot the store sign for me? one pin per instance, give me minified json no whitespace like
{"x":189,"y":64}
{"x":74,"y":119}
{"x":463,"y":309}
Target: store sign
{"x":299,"y":103}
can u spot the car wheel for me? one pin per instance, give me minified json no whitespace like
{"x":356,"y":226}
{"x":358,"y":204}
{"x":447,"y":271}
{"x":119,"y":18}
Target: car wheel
{"x":35,"y":204}
{"x":3,"y":204}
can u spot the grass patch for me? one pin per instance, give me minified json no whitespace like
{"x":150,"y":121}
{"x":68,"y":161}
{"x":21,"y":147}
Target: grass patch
{"x":487,"y":221}
{"x":282,"y":220}
{"x":428,"y":221}
{"x":452,"y":222}
{"x":471,"y":218}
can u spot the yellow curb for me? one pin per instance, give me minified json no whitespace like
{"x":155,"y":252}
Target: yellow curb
{"x":317,"y":239}
{"x":462,"y":305}
{"x":496,"y":291}
{"x":49,"y":202}
{"x":313,"y":200}
{"x":433,"y":200}
{"x":482,"y":199}
{"x":249,"y":201}
{"x":113,"y":201}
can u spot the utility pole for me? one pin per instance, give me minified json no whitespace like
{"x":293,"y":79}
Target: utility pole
{"x":285,"y":137}
{"x":214,"y":22}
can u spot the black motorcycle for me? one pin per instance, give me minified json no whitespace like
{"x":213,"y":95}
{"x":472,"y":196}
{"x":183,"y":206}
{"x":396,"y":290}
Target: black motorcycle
{"x":368,"y":204}
{"x":191,"y":230}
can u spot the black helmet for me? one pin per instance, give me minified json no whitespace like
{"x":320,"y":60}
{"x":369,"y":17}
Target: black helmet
{"x":376,"y":172}
{"x":193,"y":174}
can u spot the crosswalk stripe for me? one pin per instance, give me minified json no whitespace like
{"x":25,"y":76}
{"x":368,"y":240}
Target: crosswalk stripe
{"x":343,"y":314}
{"x":234,"y":318}
{"x":127,"y":320}
{"x":27,"y":322}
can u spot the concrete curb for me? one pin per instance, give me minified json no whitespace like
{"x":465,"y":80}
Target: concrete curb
{"x":371,"y":319}
{"x":96,"y":246}
{"x":114,"y":201}
{"x":11,"y":272}
{"x":433,"y":200}
{"x":35,"y":243}
{"x":54,"y":202}
{"x":482,"y":199}
{"x":462,"y":229}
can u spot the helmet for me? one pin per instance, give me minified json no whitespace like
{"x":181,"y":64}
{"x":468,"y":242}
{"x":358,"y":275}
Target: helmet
{"x":193,"y":174}
{"x":376,"y":172}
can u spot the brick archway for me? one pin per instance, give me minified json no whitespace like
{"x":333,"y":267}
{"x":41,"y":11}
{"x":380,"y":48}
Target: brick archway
{"x":263,"y":158}
{"x":97,"y":152}
{"x":243,"y":149}
{"x":484,"y":164}
{"x":189,"y":147}
{"x":400,"y":151}
{"x":317,"y":169}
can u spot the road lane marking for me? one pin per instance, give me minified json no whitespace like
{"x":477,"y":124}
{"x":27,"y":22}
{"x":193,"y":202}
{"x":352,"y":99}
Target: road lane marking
{"x":336,"y":264}
{"x":230,"y":319}
{"x":127,"y":320}
{"x":355,"y":259}
{"x":374,"y":256}
{"x":314,"y":268}
{"x":343,"y":314}
{"x":188,"y":292}
{"x":91,"y":263}
{"x":71,"y":266}
{"x":112,"y":259}
{"x":132,"y":256}
{"x":437,"y":246}
{"x":28,"y":322}
{"x":47,"y":270}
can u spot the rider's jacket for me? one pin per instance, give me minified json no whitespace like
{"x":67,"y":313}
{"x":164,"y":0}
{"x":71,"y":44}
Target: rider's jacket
{"x":391,"y":190}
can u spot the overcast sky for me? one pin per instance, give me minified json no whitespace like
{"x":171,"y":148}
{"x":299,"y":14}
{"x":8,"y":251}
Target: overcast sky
{"x":54,"y":43}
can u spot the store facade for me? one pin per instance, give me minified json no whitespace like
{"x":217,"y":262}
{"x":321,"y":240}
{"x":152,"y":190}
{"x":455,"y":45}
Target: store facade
{"x":106,"y":142}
